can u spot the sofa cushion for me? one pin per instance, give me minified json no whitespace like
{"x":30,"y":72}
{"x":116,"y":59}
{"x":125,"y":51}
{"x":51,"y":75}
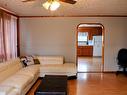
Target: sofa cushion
{"x":67,"y":67}
{"x":14,"y":92}
{"x":51,"y":68}
{"x":27,"y":60}
{"x":31,"y":70}
{"x":18,"y":81}
{"x":5,"y":90}
{"x":51,"y":59}
{"x":9,"y":68}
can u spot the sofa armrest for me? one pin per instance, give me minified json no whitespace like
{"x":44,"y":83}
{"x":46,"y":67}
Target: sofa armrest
{"x":14,"y":92}
{"x":50,"y":59}
{"x":70,"y":67}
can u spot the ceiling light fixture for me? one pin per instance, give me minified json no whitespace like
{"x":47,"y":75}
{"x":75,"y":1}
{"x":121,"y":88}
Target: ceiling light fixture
{"x":51,"y":5}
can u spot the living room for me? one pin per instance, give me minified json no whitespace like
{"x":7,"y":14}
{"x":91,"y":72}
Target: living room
{"x":43,"y":32}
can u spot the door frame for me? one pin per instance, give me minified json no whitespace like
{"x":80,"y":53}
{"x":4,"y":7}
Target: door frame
{"x":103,"y":44}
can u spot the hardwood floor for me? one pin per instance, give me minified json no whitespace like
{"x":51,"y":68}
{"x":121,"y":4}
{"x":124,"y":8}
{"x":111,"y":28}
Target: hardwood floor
{"x":89,"y":64}
{"x":94,"y":84}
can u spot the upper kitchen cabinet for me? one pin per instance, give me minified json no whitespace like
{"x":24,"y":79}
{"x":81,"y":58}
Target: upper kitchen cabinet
{"x":92,"y":31}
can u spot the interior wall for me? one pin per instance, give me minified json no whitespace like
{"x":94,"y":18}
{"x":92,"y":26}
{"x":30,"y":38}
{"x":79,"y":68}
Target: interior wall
{"x":57,"y":36}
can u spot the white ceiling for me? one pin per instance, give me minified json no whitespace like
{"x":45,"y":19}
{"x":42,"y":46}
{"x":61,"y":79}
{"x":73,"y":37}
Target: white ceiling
{"x":82,"y":7}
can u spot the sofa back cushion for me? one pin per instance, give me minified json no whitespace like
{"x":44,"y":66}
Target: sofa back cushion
{"x":51,"y":60}
{"x":9,"y":68}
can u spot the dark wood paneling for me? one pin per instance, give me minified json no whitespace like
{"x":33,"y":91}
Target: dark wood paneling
{"x":18,"y":38}
{"x":8,"y":12}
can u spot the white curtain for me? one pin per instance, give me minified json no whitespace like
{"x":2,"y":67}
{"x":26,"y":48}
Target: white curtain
{"x":8,"y":37}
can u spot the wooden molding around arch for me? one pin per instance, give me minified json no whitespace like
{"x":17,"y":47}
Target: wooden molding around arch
{"x":103,"y":41}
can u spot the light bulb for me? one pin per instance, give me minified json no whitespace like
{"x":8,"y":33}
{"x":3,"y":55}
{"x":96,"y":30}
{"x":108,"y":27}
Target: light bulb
{"x":46,"y":5}
{"x":54,"y":5}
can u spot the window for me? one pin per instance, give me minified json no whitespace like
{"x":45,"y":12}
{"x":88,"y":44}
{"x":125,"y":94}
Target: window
{"x":82,"y":38}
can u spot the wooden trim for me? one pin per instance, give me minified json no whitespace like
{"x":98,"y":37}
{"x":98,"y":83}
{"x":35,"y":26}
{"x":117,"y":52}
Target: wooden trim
{"x":4,"y":36}
{"x":77,"y":47}
{"x":8,"y":12}
{"x":74,"y":16}
{"x":18,"y":38}
{"x":103,"y":46}
{"x":91,"y":72}
{"x":14,"y":14}
{"x":103,"y":42}
{"x":109,"y":71}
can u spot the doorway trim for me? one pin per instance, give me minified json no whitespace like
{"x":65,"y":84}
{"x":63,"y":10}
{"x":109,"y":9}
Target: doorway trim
{"x":103,"y":44}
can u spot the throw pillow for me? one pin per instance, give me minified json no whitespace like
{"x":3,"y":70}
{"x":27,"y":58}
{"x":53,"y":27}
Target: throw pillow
{"x":36,"y":61}
{"x":23,"y":60}
{"x":30,"y":60}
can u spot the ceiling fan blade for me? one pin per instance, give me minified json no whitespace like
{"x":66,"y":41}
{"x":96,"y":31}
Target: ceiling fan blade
{"x":27,"y":0}
{"x":69,"y":1}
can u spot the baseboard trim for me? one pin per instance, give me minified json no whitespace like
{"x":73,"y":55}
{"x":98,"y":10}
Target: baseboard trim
{"x":109,"y":71}
{"x":91,"y":72}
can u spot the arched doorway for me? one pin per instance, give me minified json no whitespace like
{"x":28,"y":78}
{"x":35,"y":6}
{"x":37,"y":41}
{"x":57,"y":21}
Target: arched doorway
{"x":90,"y":47}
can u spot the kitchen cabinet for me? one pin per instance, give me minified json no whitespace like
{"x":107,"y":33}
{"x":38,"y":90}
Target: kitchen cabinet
{"x":85,"y":51}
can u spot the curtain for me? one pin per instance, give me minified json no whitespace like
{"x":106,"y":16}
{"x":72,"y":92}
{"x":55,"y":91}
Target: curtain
{"x":8,"y":37}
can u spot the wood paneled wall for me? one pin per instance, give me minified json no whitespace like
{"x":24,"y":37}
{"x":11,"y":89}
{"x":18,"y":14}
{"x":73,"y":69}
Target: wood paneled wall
{"x":92,"y":31}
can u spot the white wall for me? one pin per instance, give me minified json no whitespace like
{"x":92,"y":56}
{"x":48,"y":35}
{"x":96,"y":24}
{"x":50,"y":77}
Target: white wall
{"x":57,"y":36}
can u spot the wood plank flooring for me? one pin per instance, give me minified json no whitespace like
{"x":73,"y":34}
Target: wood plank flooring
{"x":94,"y":84}
{"x":90,"y":64}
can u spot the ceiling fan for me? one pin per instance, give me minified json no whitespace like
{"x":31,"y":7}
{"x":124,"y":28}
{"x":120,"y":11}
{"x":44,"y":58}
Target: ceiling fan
{"x":53,"y":4}
{"x":66,"y":1}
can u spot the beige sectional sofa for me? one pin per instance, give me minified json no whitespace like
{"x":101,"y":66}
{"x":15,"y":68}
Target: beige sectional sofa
{"x":54,"y":65}
{"x":17,"y":80}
